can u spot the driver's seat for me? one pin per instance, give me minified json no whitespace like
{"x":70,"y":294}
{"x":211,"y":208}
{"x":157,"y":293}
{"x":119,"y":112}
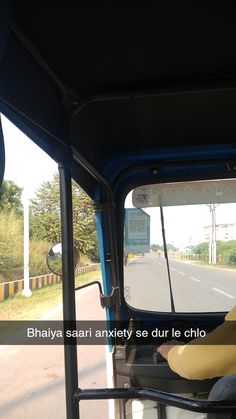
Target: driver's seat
{"x":223,"y":389}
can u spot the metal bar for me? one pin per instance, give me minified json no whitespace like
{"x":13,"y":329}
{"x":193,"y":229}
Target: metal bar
{"x":111,"y":218}
{"x":68,"y":287}
{"x":194,"y":405}
{"x":2,"y":153}
{"x":68,"y":94}
{"x":80,"y":101}
{"x":145,"y":92}
{"x":156,"y":166}
{"x":167,"y":260}
{"x":114,"y":256}
{"x":122,"y":409}
{"x":88,"y":285}
{"x":161,"y":411}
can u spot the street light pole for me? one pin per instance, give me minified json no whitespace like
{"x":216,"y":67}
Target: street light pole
{"x":26,"y":290}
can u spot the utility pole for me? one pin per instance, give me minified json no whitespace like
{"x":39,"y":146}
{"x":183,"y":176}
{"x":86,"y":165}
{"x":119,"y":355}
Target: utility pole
{"x":212,"y":241}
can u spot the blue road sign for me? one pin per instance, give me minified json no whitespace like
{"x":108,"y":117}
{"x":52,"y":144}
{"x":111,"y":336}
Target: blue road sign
{"x":137,"y":231}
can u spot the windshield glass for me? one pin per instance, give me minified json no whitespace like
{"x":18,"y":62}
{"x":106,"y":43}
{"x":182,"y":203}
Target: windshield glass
{"x":200,"y":248}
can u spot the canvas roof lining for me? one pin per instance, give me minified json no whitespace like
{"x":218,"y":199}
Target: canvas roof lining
{"x":113,"y":54}
{"x":97,"y":47}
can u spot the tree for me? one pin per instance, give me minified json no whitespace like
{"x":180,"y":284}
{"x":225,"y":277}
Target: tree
{"x":45,"y":221}
{"x":11,"y":240}
{"x":10,"y":197}
{"x":156,"y":247}
{"x":201,"y":249}
{"x":45,"y":212}
{"x":171,"y":248}
{"x":226,"y":251}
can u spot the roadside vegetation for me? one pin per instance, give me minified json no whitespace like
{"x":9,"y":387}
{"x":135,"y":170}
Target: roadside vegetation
{"x":44,"y":228}
{"x":160,"y":248}
{"x":225,"y":253}
{"x":42,"y":300}
{"x":225,"y":250}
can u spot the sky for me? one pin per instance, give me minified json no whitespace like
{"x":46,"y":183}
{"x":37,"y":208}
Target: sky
{"x":26,"y":164}
{"x":184,"y":225}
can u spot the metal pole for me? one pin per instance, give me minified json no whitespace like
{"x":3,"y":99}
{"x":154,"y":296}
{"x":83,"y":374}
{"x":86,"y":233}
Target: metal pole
{"x":214,"y":234}
{"x":26,"y":290}
{"x":210,"y":247}
{"x":68,"y":288}
{"x":212,"y":242}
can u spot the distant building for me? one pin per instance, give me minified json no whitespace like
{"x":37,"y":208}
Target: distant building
{"x":224,"y":232}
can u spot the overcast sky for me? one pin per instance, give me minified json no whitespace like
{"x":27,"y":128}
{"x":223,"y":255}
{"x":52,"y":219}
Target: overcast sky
{"x":26,"y":164}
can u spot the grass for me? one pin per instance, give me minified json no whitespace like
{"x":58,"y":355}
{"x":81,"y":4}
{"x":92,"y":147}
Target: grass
{"x":41,"y":301}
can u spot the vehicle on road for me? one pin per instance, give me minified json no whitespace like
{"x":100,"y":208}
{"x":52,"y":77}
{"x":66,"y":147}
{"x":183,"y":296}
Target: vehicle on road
{"x":136,"y":102}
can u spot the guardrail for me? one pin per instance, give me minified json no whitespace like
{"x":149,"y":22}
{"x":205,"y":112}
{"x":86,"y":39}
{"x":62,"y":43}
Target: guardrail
{"x":9,"y":289}
{"x":89,"y":268}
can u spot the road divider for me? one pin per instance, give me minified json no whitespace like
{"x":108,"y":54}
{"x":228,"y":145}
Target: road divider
{"x":9,"y":289}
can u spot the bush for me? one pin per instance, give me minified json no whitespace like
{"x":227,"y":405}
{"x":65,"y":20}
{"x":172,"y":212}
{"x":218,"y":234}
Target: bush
{"x":12,"y":252}
{"x":232,"y":259}
{"x":38,"y":255}
{"x":11,"y":242}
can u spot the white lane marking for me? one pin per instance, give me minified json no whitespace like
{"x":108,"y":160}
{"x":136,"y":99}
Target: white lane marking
{"x":173,"y":269}
{"x":194,"y":279}
{"x":182,"y":273}
{"x":224,"y":293}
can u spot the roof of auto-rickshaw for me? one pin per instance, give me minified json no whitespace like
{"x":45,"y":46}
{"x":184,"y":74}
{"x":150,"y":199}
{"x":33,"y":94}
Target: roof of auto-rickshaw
{"x":120,"y":82}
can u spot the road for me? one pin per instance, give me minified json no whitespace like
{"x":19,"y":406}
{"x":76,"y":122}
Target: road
{"x":195,"y":288}
{"x":32,"y":377}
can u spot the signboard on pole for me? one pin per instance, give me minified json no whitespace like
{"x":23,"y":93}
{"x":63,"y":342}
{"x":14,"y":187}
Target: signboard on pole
{"x":137,"y":231}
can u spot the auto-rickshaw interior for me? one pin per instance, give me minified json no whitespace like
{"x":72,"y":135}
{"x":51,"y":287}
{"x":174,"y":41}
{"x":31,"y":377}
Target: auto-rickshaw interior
{"x":135,"y":101}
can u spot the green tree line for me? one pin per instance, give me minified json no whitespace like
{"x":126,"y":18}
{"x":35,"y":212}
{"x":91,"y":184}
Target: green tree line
{"x":44,"y":227}
{"x":158,"y":247}
{"x":225,"y":251}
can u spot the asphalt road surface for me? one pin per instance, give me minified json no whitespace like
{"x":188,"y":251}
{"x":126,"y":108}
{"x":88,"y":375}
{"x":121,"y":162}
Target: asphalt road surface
{"x":195,"y":288}
{"x":32,"y":377}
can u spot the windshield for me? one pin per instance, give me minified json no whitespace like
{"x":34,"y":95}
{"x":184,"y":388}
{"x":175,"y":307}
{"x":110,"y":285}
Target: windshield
{"x":199,"y":259}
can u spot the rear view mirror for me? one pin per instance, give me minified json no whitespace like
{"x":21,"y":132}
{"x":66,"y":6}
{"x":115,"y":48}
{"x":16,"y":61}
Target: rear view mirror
{"x":185,"y":193}
{"x":54,"y":259}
